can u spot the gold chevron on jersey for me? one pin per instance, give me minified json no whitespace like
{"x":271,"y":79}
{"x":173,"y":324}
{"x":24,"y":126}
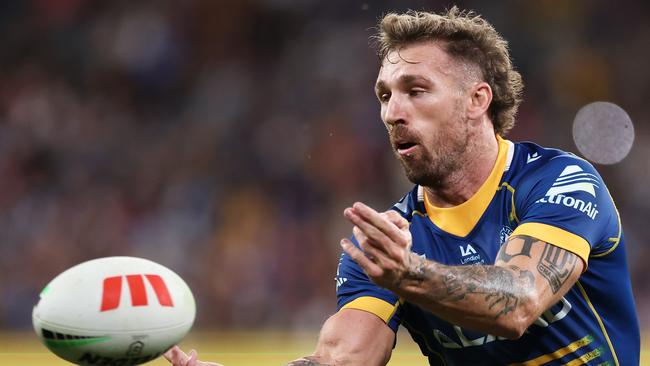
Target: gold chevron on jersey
{"x":574,"y":179}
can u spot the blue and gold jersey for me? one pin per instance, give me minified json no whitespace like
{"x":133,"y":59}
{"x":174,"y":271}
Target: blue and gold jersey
{"x":544,"y":193}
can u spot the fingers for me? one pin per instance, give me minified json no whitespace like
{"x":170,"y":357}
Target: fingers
{"x":359,"y":234}
{"x":192,"y":361}
{"x":402,"y":224}
{"x":384,"y":243}
{"x":373,"y":253}
{"x":178,"y":358}
{"x":376,"y":225}
{"x":377,"y":235}
{"x":372,"y":269}
{"x":376,"y":255}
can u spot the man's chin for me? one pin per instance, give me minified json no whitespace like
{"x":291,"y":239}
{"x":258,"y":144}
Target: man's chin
{"x":417,"y":171}
{"x":422,"y":177}
{"x":416,"y":177}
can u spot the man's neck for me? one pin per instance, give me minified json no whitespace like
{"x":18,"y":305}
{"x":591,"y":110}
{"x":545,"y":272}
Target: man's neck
{"x":463,"y":183}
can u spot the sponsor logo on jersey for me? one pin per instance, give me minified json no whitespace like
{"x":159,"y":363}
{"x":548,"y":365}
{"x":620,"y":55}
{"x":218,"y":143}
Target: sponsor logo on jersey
{"x":339,"y":279}
{"x":573,"y":179}
{"x":469,"y":255}
{"x":504,"y":234}
{"x":467,"y":250}
{"x":532,"y":157}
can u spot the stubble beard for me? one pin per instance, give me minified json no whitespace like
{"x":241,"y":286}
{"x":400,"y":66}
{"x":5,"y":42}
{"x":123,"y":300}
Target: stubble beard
{"x":435,"y":163}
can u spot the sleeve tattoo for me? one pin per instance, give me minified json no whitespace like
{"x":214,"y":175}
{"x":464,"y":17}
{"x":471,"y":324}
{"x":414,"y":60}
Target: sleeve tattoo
{"x":498,"y":286}
{"x":503,"y":289}
{"x":555,"y":264}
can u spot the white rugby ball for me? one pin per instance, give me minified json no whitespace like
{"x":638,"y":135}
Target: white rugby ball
{"x":114,"y":311}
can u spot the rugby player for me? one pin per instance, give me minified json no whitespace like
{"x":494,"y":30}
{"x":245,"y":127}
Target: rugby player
{"x":502,"y":253}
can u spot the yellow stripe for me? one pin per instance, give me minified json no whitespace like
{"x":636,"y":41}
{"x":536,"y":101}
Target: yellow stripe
{"x":513,"y":214}
{"x":460,"y":220}
{"x":611,"y":240}
{"x":557,"y":354}
{"x":379,"y":307}
{"x":556,"y":236}
{"x":615,"y":240}
{"x":589,"y":356}
{"x":416,"y":212}
{"x":600,"y":322}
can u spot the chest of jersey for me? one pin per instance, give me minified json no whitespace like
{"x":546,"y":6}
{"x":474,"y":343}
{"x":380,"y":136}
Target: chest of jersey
{"x":555,"y":328}
{"x":480,"y":246}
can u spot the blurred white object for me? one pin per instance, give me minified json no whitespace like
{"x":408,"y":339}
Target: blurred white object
{"x":603,"y":132}
{"x":114,"y":310}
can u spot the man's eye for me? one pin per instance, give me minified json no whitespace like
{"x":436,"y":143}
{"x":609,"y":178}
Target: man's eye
{"x":384,"y":97}
{"x":415,"y":92}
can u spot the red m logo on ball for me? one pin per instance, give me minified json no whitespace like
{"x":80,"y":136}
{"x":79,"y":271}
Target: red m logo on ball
{"x":113,"y":291}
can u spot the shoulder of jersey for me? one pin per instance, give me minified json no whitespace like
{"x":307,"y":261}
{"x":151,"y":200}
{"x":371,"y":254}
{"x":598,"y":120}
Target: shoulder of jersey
{"x":530,"y":158}
{"x":533,"y":163}
{"x":410,"y":202}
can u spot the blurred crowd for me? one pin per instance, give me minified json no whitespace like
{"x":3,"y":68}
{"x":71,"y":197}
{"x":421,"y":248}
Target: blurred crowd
{"x":224,"y":138}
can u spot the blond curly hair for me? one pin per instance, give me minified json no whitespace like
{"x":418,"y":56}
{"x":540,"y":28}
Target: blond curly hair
{"x":466,"y":37}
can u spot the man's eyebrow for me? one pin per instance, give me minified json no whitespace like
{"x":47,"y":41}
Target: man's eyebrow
{"x":380,"y":85}
{"x":409,"y":78}
{"x":404,"y":79}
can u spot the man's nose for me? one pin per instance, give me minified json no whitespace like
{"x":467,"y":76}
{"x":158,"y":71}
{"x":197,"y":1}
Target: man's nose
{"x":394,"y":112}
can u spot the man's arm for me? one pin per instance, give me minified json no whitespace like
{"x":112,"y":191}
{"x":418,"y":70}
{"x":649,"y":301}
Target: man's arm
{"x":349,"y":337}
{"x":504,"y":299}
{"x":352,"y":337}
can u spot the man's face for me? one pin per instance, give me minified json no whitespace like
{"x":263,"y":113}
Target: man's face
{"x":422,"y":97}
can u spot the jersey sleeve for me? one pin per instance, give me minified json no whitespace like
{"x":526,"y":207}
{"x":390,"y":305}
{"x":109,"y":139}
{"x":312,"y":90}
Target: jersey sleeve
{"x":354,"y":290}
{"x":565,"y":203}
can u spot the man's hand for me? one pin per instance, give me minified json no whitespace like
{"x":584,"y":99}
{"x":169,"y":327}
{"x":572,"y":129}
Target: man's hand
{"x":305,"y":361}
{"x":178,"y":358}
{"x":385,"y":241}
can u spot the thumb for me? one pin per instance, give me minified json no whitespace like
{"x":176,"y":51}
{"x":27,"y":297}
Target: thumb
{"x":176,"y":356}
{"x":191,"y":361}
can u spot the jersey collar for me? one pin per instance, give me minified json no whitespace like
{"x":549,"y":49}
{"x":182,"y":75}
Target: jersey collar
{"x":460,"y":220}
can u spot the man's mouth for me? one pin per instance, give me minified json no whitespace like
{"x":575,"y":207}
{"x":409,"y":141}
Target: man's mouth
{"x":405,"y":148}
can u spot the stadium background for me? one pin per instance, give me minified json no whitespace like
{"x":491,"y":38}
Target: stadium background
{"x":224,"y":138}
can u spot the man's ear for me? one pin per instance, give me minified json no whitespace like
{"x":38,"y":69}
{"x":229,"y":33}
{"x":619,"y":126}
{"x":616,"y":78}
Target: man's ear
{"x":480,"y":99}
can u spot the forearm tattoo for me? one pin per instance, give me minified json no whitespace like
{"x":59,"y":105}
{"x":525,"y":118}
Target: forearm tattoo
{"x":503,"y":289}
{"x":416,"y":270}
